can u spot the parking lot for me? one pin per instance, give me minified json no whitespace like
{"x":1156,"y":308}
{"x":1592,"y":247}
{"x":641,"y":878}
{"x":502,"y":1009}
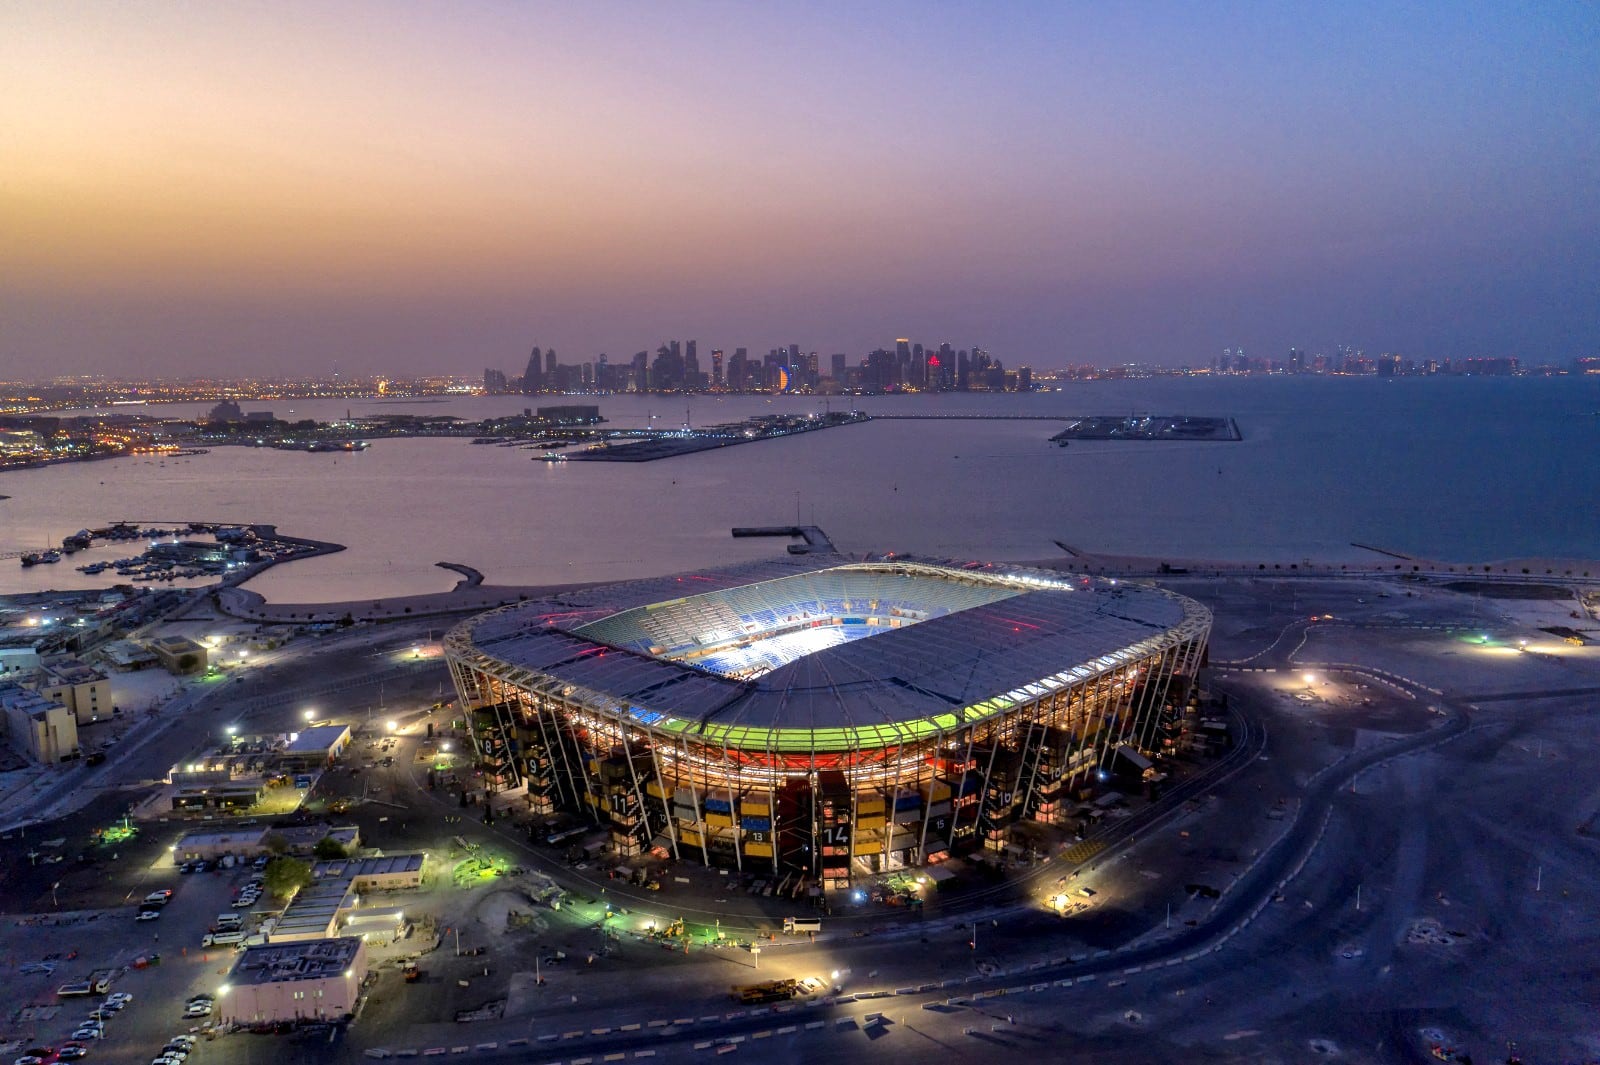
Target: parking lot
{"x":152,"y":957}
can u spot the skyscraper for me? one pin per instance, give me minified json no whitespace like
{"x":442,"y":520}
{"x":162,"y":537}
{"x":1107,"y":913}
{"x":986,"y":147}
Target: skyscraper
{"x":533,"y":376}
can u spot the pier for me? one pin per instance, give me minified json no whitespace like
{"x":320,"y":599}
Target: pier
{"x":815,"y":539}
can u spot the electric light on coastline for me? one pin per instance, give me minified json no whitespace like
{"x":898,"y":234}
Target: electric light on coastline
{"x":389,"y":725}
{"x":1310,"y":679}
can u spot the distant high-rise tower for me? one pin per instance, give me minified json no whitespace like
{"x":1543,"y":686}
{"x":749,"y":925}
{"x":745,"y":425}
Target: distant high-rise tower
{"x":533,"y":376}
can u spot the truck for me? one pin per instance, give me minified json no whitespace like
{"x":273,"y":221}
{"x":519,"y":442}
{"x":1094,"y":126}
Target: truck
{"x":767,"y":991}
{"x":799,"y":925}
{"x":98,"y":983}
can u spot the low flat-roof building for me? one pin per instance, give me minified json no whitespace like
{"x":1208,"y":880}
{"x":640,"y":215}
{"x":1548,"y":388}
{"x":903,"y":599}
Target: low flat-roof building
{"x":38,"y":728}
{"x":314,"y":912}
{"x":389,"y":872}
{"x":294,"y":981}
{"x":238,"y":842}
{"x":315,"y":746}
{"x":254,"y":841}
{"x":222,"y":794}
{"x":126,"y":656}
{"x":179,"y":654}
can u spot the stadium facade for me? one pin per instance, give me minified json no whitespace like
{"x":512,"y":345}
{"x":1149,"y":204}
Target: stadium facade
{"x":823,"y":715}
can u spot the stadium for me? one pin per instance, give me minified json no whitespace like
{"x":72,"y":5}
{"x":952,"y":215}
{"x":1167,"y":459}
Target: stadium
{"x":822,"y":715}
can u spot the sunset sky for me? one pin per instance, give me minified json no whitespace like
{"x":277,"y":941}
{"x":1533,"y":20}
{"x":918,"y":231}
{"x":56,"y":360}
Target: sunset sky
{"x":276,"y":187}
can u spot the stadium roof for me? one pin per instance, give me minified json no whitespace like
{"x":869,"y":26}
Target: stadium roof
{"x":1022,"y":634}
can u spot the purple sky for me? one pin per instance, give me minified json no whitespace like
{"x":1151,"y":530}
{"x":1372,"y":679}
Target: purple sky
{"x":227,"y":188}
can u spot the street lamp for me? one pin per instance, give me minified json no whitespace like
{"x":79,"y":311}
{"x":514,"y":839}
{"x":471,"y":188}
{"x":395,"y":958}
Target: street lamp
{"x":309,"y":714}
{"x":389,"y":725}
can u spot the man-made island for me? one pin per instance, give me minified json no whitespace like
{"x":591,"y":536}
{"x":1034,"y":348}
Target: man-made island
{"x":1148,"y":427}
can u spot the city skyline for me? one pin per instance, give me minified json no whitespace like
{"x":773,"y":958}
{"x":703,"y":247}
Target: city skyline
{"x":236,"y":191}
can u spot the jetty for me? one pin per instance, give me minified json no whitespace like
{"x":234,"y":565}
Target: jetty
{"x":814,"y":538}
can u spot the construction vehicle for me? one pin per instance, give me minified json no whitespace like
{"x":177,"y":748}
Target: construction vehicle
{"x":768,"y":991}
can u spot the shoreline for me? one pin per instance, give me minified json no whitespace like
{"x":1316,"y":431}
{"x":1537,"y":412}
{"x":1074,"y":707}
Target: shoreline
{"x":469,"y":595}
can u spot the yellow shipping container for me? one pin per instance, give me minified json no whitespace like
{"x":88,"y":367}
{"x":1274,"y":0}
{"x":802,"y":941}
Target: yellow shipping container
{"x":758,"y":850}
{"x":868,"y":824}
{"x":754,"y":807}
{"x":719,"y":820}
{"x":654,"y":788}
{"x":873,"y":805}
{"x":688,"y":838}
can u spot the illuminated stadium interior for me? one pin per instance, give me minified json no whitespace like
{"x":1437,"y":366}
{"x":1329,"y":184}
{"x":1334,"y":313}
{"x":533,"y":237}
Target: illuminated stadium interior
{"x":746,"y":632}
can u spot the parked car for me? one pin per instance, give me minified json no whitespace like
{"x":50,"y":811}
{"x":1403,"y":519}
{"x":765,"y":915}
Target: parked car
{"x":148,"y":915}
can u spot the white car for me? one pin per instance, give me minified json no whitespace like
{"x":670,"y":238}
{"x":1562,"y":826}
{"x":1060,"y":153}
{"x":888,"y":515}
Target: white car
{"x":199,"y":1009}
{"x":123,"y":997}
{"x":89,"y":1033}
{"x":148,"y":915}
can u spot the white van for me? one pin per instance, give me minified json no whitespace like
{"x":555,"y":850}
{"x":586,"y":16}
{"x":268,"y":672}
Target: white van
{"x":228,"y":921}
{"x":223,"y":939}
{"x":795,"y":925}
